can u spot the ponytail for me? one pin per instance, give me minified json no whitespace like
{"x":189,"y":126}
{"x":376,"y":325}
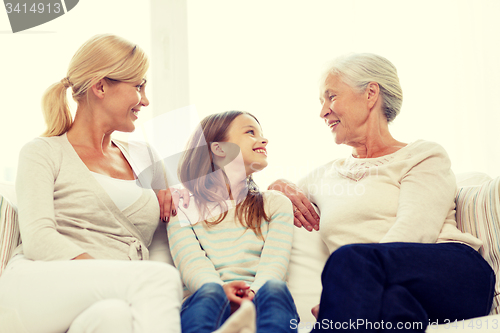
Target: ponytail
{"x":56,"y":109}
{"x":102,"y":56}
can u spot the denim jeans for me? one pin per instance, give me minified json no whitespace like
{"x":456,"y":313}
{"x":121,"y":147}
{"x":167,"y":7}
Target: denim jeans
{"x":275,"y":308}
{"x":208,"y":308}
{"x":391,"y":286}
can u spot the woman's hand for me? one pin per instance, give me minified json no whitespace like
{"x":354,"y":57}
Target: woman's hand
{"x":169,"y":201}
{"x":236,"y":292}
{"x":304,"y":213}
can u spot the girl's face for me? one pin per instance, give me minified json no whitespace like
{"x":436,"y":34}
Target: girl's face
{"x":246,"y":132}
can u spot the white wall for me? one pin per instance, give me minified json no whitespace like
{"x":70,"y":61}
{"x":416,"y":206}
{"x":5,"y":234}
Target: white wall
{"x":265,"y":57}
{"x":32,"y":60}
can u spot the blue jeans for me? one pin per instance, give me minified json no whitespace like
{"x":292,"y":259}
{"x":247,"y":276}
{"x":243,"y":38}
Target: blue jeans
{"x":381,"y":286}
{"x":208,"y":308}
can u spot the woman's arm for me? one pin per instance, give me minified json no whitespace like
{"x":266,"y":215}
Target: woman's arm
{"x":37,"y":172}
{"x":191,"y":260}
{"x":168,"y":198}
{"x":426,"y":197}
{"x":305,"y":215}
{"x":275,"y":255}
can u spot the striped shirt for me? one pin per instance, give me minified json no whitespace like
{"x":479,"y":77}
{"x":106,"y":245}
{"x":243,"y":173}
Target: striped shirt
{"x":229,"y":251}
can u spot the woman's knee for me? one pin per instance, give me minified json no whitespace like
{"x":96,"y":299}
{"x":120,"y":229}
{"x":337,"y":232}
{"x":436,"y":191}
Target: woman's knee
{"x":109,"y":315}
{"x":349,"y":258}
{"x":351,"y":252}
{"x":159,"y":280}
{"x":112,"y":310}
{"x":158,"y":271}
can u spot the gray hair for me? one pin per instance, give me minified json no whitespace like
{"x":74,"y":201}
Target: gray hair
{"x":357,"y":70}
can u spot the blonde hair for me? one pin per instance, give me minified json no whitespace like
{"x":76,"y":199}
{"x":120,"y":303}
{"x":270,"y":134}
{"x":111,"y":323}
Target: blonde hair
{"x":102,"y":56}
{"x":358,"y":70}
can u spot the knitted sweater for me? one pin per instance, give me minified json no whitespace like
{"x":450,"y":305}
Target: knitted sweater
{"x":407,"y":196}
{"x":230,"y":252}
{"x":64,"y":211}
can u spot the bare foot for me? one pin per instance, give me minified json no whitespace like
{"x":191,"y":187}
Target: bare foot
{"x":315,"y":311}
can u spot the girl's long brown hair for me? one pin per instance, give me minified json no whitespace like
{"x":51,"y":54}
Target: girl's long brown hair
{"x":197,"y":172}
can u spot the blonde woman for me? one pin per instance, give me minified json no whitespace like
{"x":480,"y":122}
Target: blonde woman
{"x":81,"y":201}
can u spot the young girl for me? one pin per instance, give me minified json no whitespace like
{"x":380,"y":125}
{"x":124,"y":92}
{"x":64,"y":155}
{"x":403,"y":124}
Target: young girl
{"x":234,"y":243}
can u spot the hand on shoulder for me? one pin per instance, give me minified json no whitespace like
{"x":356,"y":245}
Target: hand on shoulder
{"x":304,"y":213}
{"x":169,"y":201}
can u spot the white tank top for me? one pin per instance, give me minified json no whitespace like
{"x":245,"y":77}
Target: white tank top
{"x":123,"y":192}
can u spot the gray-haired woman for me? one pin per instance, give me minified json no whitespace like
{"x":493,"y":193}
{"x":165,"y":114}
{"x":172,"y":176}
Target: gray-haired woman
{"x":397,"y":258}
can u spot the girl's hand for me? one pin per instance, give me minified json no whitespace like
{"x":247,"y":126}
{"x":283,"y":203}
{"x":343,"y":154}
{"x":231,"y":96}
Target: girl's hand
{"x":304,"y":213}
{"x":169,"y":201}
{"x":236,"y":292}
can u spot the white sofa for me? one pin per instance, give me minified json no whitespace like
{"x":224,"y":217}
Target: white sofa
{"x":478,"y":212}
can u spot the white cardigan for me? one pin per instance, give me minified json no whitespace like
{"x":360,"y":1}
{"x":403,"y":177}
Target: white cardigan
{"x":407,"y":196}
{"x":64,"y":211}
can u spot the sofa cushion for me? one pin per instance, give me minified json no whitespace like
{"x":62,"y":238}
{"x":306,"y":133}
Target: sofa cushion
{"x":308,"y":257}
{"x":9,"y":231}
{"x":472,"y":179}
{"x":478,"y":213}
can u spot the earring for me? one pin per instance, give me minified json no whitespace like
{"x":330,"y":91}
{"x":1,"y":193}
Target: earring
{"x":252,"y":187}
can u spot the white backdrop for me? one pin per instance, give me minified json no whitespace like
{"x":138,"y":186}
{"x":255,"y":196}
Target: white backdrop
{"x":32,"y":60}
{"x":265,"y":56}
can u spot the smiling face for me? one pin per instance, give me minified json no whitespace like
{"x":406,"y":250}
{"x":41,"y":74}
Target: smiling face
{"x":246,"y":132}
{"x":344,"y":110}
{"x":124,"y":102}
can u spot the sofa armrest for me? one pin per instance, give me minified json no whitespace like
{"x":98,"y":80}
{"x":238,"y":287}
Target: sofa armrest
{"x":8,"y":191}
{"x":478,"y":213}
{"x":10,"y":237}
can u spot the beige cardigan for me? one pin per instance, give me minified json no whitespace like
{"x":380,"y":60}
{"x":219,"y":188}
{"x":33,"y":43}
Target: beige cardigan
{"x":64,"y":211}
{"x":406,"y":196}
